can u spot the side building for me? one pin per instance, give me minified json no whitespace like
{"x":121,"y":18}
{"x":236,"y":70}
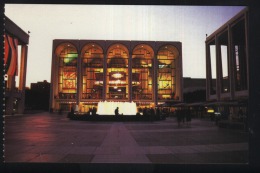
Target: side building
{"x":37,"y":97}
{"x":227,"y":63}
{"x":16,"y":47}
{"x":85,"y":72}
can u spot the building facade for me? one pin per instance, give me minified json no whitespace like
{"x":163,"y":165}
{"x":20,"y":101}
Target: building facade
{"x":16,"y":46}
{"x":85,"y":72}
{"x":227,"y":63}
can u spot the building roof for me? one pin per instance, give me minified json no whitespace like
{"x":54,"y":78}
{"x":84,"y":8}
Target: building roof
{"x":15,"y":30}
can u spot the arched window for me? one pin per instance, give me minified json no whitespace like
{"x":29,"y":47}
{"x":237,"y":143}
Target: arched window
{"x":67,"y":71}
{"x":142,"y":73}
{"x":92,"y":71}
{"x":166,"y":72}
{"x":117,"y":72}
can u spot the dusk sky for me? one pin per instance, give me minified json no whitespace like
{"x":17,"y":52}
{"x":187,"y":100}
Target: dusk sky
{"x":187,"y":24}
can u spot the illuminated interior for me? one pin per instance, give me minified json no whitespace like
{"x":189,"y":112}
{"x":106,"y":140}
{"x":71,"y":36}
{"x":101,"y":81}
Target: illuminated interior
{"x":67,"y":78}
{"x":117,"y":73}
{"x":142,"y":73}
{"x":108,"y":108}
{"x":166,"y":72}
{"x":88,"y":72}
{"x":92,"y":72}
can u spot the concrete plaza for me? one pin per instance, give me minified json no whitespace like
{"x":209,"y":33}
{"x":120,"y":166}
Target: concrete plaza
{"x":52,"y":138}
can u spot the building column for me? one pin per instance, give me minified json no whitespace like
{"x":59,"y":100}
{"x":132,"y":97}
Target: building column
{"x":231,"y":66}
{"x":178,"y":75}
{"x":54,"y":80}
{"x":105,"y":76}
{"x":79,"y":80}
{"x":22,"y":81}
{"x":208,"y":72}
{"x":130,"y":77}
{"x":246,"y":48}
{"x":10,"y":100}
{"x":155,"y":86}
{"x":218,"y":69}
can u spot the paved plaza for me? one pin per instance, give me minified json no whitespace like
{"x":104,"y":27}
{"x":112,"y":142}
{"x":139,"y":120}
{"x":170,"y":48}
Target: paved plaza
{"x":45,"y":137}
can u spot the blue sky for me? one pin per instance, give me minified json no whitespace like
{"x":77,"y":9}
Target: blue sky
{"x":187,"y":24}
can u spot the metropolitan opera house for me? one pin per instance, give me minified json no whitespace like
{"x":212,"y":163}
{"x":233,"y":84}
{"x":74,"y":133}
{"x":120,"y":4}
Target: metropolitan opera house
{"x":86,"y":72}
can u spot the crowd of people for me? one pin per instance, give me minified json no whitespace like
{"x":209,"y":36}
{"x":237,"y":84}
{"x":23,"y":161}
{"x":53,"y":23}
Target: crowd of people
{"x":183,"y":115}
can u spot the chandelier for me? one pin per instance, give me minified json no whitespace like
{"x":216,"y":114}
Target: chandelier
{"x":117,"y":75}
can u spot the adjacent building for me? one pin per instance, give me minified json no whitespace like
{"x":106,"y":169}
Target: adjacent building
{"x":227,"y":63}
{"x":85,"y":72}
{"x":16,"y":47}
{"x":38,"y":96}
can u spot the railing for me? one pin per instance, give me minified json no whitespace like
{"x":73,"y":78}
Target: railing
{"x":65,"y":96}
{"x":142,"y":96}
{"x":91,"y":96}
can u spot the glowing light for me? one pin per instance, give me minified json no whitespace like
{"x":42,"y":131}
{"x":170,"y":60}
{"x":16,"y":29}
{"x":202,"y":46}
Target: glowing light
{"x":210,"y":111}
{"x":117,"y":75}
{"x":108,"y":108}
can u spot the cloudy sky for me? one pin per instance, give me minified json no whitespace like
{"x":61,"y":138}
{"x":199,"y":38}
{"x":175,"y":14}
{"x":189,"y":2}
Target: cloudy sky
{"x":187,"y":24}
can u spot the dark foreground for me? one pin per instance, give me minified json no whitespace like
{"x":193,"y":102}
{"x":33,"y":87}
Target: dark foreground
{"x":54,"y":138}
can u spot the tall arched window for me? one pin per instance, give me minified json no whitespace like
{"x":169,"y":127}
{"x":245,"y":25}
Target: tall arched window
{"x":117,"y":73}
{"x":92,"y":71}
{"x":166,"y":72}
{"x":142,"y":73}
{"x":67,"y":71}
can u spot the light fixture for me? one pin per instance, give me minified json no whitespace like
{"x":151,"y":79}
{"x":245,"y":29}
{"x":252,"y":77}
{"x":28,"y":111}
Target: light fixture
{"x":117,"y":75}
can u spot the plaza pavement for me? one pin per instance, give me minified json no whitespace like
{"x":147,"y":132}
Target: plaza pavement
{"x":52,"y":138}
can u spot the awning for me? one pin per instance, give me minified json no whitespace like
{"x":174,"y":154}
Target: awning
{"x":226,"y":103}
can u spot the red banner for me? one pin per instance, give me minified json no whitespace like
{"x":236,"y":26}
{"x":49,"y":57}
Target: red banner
{"x":11,"y":55}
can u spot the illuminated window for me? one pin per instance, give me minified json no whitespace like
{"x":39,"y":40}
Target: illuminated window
{"x":142,"y":73}
{"x":117,"y":73}
{"x":67,"y":80}
{"x":166,"y":72}
{"x":92,"y":72}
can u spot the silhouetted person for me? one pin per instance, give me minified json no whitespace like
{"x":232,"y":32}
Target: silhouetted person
{"x":179,"y":117}
{"x":94,"y":111}
{"x":72,"y":110}
{"x":90,"y":111}
{"x":188,"y":117}
{"x":158,"y":113}
{"x":116,"y":111}
{"x":145,"y":111}
{"x":152,"y":112}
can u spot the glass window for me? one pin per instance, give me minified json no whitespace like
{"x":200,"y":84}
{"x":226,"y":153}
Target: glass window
{"x":117,"y":73}
{"x":166,"y":73}
{"x":92,"y":72}
{"x":223,"y":42}
{"x":212,"y":54}
{"x":67,"y":82}
{"x":142,"y":73}
{"x":239,"y":55}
